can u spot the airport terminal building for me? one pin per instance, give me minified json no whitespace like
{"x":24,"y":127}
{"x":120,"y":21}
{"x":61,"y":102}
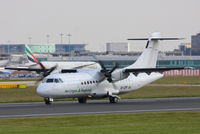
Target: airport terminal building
{"x":163,"y":61}
{"x":41,"y":48}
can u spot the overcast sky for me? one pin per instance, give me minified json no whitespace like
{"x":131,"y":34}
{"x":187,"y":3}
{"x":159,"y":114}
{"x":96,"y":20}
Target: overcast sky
{"x":96,"y":22}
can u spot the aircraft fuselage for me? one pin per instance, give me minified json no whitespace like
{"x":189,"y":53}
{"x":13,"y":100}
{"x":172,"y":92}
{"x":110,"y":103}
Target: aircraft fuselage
{"x":75,"y":85}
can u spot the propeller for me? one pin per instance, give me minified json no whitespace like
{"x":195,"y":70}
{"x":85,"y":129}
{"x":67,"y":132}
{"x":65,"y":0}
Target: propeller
{"x":45,"y":72}
{"x":107,"y":73}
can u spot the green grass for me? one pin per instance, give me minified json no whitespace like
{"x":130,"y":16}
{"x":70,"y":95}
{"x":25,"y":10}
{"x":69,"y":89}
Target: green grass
{"x":163,"y":92}
{"x":19,"y":95}
{"x":142,"y":123}
{"x":29,"y":94}
{"x":178,"y":80}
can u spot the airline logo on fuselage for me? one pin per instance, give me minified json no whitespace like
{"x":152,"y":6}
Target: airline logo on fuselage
{"x":78,"y":91}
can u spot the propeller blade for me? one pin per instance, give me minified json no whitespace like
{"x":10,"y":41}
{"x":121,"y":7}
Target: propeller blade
{"x":107,"y":73}
{"x":115,"y":67}
{"x":50,"y":71}
{"x":45,"y":71}
{"x":110,"y":79}
{"x":102,"y":65}
{"x":41,"y":65}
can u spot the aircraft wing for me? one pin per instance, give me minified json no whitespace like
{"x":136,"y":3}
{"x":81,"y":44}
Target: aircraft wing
{"x":24,"y":69}
{"x":40,"y":70}
{"x":82,"y":66}
{"x":150,"y":70}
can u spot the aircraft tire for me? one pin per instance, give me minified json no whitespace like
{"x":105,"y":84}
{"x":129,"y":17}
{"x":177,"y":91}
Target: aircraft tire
{"x":47,"y":101}
{"x":82,"y":100}
{"x":113,"y":99}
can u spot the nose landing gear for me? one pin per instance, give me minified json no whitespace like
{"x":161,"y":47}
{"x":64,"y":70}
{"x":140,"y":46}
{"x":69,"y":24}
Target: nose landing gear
{"x":48,"y":101}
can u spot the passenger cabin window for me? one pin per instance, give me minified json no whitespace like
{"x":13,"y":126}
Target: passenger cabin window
{"x":49,"y":81}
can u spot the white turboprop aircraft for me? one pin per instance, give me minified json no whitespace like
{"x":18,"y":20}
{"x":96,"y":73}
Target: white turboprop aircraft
{"x":102,"y":83}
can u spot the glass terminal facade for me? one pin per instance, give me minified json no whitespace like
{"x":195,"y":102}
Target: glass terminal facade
{"x":160,"y":63}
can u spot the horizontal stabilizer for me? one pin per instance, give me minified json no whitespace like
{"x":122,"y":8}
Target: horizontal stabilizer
{"x":149,"y":70}
{"x":155,"y":38}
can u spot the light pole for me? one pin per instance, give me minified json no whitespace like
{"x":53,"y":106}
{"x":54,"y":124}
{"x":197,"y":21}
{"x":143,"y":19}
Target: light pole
{"x":47,"y":38}
{"x":61,"y":35}
{"x":29,"y":38}
{"x":69,"y":35}
{"x":8,"y":46}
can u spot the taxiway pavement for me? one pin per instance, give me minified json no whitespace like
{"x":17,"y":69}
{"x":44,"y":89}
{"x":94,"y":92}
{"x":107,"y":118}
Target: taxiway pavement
{"x":37,"y":109}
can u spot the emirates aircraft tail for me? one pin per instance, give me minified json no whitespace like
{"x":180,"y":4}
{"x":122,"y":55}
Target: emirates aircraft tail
{"x":30,"y":55}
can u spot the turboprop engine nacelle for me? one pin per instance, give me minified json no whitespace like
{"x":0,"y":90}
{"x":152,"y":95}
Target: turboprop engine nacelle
{"x":119,"y":75}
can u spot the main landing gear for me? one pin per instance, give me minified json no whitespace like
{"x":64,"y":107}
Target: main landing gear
{"x":82,"y":100}
{"x":48,"y":101}
{"x":114,"y":98}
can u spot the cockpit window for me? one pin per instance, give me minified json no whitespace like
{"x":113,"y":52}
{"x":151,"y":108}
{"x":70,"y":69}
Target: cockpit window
{"x":56,"y":80}
{"x":59,"y":80}
{"x":44,"y":80}
{"x":49,"y":81}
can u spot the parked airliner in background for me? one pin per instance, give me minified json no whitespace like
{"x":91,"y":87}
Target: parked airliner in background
{"x":102,"y":83}
{"x":35,"y":65}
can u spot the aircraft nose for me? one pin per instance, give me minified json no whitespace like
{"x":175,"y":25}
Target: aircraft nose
{"x":42,"y":90}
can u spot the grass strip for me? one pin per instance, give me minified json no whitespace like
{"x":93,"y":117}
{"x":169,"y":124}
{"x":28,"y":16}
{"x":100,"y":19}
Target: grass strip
{"x":140,"y":123}
{"x":163,"y":92}
{"x":178,"y":80}
{"x":29,"y":94}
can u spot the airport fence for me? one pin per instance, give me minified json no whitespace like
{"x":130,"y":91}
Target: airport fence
{"x":186,"y":72}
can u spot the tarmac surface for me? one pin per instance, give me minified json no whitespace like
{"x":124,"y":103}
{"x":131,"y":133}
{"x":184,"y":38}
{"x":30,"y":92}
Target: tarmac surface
{"x":38,"y":109}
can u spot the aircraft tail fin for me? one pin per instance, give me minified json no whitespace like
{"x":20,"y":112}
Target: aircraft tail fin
{"x":30,"y":55}
{"x":149,"y":56}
